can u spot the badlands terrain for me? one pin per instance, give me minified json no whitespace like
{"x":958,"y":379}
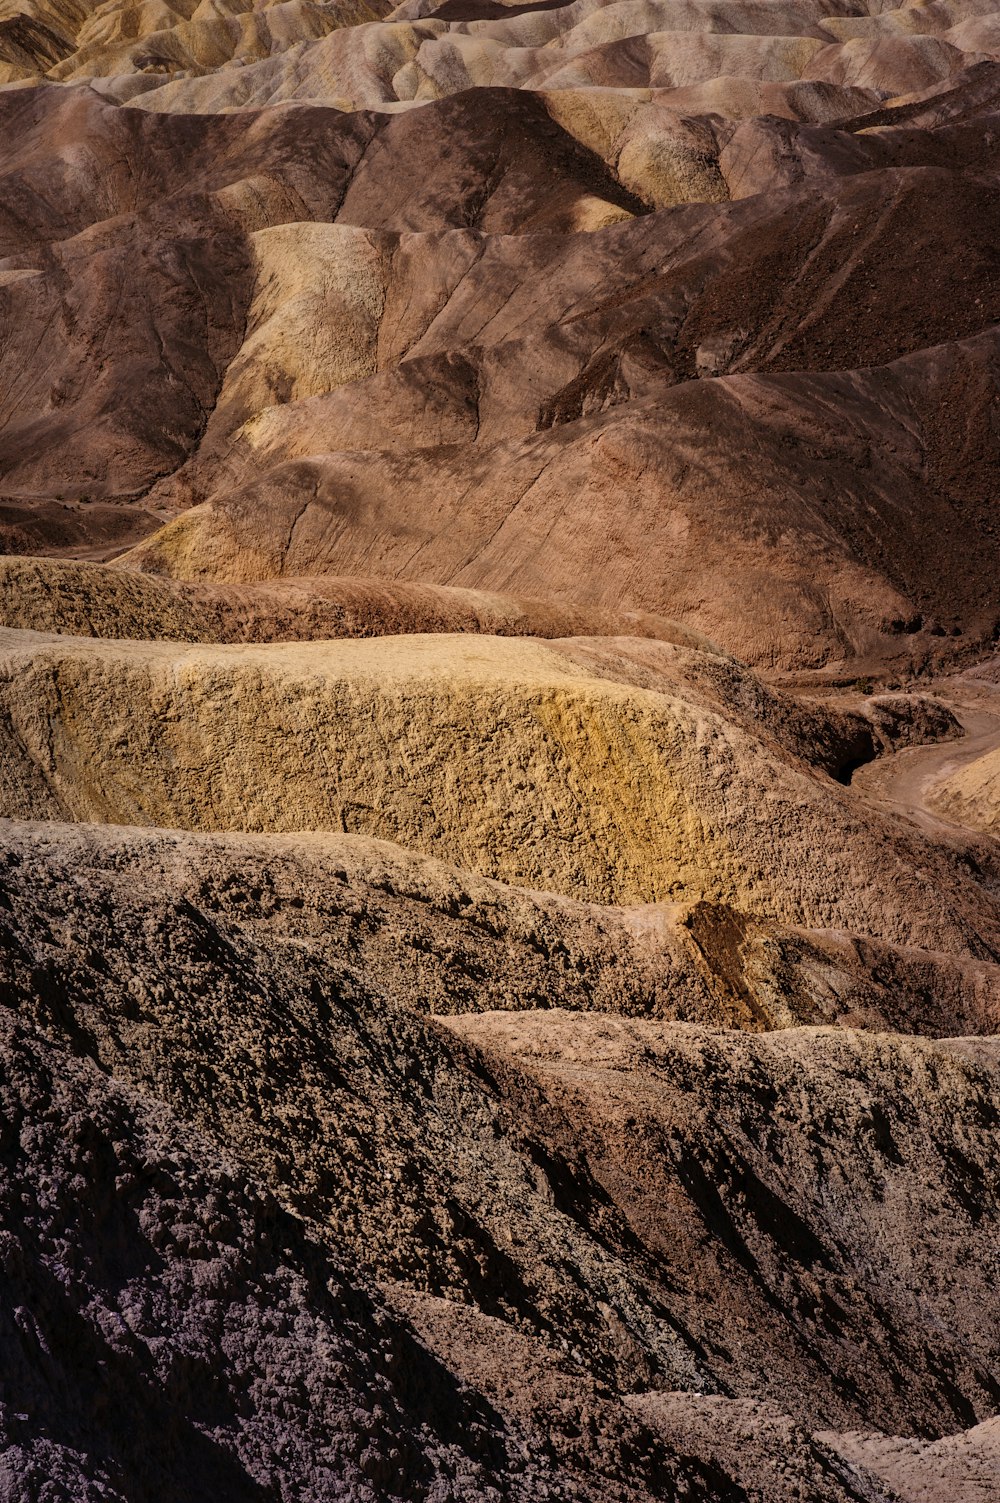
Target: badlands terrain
{"x":500,"y":751}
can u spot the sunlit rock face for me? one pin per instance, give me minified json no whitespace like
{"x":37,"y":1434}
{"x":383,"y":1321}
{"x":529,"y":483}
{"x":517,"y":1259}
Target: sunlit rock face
{"x":499,"y":751}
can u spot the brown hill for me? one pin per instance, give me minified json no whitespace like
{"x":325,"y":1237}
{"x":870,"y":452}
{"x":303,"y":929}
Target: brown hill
{"x":499,"y":736}
{"x":285,"y":316}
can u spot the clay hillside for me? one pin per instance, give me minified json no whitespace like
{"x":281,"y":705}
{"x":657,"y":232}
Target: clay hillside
{"x":500,"y":751}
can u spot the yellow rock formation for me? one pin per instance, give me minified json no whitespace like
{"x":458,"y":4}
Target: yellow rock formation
{"x":616,"y":771}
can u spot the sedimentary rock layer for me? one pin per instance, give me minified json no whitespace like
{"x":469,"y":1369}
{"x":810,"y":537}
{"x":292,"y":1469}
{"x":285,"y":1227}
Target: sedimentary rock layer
{"x":499,"y":929}
{"x":388,"y":344}
{"x":480,"y":1182}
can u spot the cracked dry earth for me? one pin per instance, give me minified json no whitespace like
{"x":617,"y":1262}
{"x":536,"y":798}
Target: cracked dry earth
{"x":499,"y":751}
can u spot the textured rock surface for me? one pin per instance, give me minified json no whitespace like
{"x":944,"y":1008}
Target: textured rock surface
{"x":605,"y":769}
{"x":499,"y":891}
{"x":499,"y":1181}
{"x":722,"y":356}
{"x":963,"y":1467}
{"x":147,"y":1278}
{"x":87,"y":600}
{"x":169,"y":1328}
{"x":969,"y":791}
{"x":631,"y":1090}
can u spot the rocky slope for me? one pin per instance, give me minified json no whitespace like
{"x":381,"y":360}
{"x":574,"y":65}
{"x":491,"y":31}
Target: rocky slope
{"x":498,"y":1193}
{"x":499,"y":736}
{"x":329,"y":329}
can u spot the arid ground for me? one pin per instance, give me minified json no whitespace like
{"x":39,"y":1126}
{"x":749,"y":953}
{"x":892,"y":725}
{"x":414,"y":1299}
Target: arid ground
{"x":500,"y":751}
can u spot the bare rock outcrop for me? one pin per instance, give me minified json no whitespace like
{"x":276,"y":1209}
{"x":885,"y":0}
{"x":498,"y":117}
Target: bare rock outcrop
{"x":499,"y":751}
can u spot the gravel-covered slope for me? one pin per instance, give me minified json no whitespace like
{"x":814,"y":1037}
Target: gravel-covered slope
{"x":805,"y":1217}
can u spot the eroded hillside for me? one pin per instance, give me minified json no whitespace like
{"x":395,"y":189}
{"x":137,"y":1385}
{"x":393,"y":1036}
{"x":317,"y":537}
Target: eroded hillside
{"x":499,"y":751}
